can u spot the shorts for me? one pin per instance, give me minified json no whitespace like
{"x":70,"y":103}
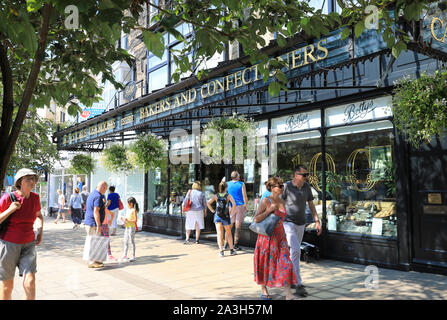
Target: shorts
{"x":225,"y":222}
{"x":238,"y":214}
{"x":12,"y":255}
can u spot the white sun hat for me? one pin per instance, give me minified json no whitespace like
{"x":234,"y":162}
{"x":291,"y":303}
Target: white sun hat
{"x":25,"y":172}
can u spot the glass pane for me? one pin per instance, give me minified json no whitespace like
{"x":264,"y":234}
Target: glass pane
{"x":294,"y":150}
{"x":179,"y":187}
{"x":158,"y":78}
{"x":360,"y":183}
{"x":157,"y":191}
{"x":319,"y":4}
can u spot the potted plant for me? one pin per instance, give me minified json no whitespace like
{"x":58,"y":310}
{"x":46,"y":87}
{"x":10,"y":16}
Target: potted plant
{"x":82,"y":164}
{"x":115,"y":159}
{"x":148,"y":152}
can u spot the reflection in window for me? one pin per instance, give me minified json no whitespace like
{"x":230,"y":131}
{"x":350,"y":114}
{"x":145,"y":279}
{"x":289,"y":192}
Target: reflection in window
{"x":158,"y":78}
{"x":157,"y":190}
{"x":179,"y":187}
{"x":302,"y":148}
{"x":360,"y":182}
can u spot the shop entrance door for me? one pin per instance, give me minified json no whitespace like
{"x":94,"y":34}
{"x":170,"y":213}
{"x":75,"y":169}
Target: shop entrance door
{"x":212,"y":175}
{"x":428,"y":176}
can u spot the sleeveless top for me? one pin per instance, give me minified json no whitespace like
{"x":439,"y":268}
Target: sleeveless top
{"x":235,"y":189}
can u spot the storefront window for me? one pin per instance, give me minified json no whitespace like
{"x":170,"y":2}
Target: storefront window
{"x":179,"y":187}
{"x":302,"y":148}
{"x":158,"y":190}
{"x":360,"y":181}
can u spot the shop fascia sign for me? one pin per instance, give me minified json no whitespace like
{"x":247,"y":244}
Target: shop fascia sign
{"x":293,"y":59}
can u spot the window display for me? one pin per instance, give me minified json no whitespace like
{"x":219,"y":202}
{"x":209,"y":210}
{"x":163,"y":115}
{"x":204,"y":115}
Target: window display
{"x":157,"y":191}
{"x":179,"y":187}
{"x":360,"y":179}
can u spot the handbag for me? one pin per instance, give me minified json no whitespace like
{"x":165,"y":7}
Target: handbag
{"x":120,"y":205}
{"x":4,"y":225}
{"x":187,"y":205}
{"x":266,"y":226}
{"x":95,"y":248}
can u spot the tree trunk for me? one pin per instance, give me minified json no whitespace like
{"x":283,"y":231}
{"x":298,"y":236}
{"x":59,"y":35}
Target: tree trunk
{"x":9,"y":139}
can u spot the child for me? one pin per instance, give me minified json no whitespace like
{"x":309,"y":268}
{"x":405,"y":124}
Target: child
{"x":130,"y":221}
{"x":105,"y":232}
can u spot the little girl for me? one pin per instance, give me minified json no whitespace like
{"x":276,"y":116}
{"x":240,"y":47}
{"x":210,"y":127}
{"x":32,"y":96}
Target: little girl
{"x":130,"y":221}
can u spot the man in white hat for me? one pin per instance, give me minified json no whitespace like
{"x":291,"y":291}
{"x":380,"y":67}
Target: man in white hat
{"x":18,"y":241}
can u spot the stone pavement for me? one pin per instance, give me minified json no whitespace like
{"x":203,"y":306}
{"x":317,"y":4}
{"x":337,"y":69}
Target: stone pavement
{"x":165,"y":268}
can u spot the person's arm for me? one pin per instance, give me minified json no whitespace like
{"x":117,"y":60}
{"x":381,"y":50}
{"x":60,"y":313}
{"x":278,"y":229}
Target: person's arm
{"x":14,"y":206}
{"x":39,"y":230}
{"x":209,"y":203}
{"x":233,"y":204}
{"x":315,"y":215}
{"x":244,"y":193}
{"x":108,"y":203}
{"x":264,"y":210}
{"x":97,"y":218}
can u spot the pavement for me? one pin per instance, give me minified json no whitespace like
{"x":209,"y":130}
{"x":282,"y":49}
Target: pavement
{"x":166,"y":269}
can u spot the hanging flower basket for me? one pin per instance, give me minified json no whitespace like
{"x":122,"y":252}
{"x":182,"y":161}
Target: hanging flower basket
{"x":82,"y":164}
{"x":115,"y":159}
{"x":148,"y":152}
{"x":420,"y":107}
{"x":218,"y":135}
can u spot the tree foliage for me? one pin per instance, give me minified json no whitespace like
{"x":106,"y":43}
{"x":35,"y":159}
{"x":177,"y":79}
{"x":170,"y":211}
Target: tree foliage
{"x":82,"y":164}
{"x":420,"y":107}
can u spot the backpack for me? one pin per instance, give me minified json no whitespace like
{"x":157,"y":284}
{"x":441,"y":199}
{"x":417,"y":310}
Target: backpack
{"x":221,"y":206}
{"x":5,"y":223}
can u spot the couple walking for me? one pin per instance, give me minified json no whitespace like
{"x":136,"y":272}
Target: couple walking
{"x":274,"y":264}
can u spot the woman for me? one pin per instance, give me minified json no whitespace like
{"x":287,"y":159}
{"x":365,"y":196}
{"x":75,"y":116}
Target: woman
{"x":76,"y":208}
{"x":195,"y":215}
{"x":273,"y":267}
{"x":113,"y":206}
{"x":60,"y":205}
{"x":220,"y":222}
{"x":18,"y":242}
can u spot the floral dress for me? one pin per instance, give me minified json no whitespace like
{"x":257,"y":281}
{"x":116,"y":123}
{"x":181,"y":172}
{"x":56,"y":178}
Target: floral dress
{"x":273,"y":267}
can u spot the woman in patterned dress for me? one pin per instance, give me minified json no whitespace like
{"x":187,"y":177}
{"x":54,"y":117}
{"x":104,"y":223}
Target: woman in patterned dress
{"x":273,"y":267}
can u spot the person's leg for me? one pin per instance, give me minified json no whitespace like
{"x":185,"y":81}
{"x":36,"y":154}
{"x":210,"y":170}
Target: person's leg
{"x":132,"y":241}
{"x":115,"y":217}
{"x":6,"y":288}
{"x":63,"y":216}
{"x":229,"y":236}
{"x":29,"y":286}
{"x":188,"y":232}
{"x":197,"y":232}
{"x":126,"y":241}
{"x":295,"y":247}
{"x":220,"y":235}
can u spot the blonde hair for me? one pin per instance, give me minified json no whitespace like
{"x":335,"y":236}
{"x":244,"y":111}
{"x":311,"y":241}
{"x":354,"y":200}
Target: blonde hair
{"x":76,"y":190}
{"x":59,"y":191}
{"x":197,"y":185}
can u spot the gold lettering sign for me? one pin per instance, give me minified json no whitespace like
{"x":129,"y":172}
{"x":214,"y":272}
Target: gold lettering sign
{"x":127,"y":120}
{"x":432,"y":29}
{"x":434,"y":198}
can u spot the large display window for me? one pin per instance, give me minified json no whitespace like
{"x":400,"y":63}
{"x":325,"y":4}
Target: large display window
{"x":180,"y":184}
{"x":158,"y":190}
{"x":360,"y":183}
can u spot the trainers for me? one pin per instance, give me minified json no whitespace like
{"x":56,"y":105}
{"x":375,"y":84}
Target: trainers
{"x":236,"y":247}
{"x":301,"y":291}
{"x":232,"y":252}
{"x":123,"y":258}
{"x":111,"y":258}
{"x":131,"y":259}
{"x":221,"y":253}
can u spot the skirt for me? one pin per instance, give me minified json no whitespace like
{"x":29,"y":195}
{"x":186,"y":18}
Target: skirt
{"x":192,"y":217}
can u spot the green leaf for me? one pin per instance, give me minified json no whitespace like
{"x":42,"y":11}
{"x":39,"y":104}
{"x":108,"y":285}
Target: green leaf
{"x":274,"y":88}
{"x":346,"y":32}
{"x":358,"y":29}
{"x":397,"y":48}
{"x":154,"y":42}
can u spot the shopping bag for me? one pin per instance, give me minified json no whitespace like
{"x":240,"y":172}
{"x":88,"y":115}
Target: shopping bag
{"x":187,"y":205}
{"x":120,"y":205}
{"x":95,"y":248}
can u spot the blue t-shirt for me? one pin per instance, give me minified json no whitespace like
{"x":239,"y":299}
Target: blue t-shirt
{"x":95,"y":199}
{"x":235,"y":189}
{"x":264,"y":195}
{"x":114,"y":200}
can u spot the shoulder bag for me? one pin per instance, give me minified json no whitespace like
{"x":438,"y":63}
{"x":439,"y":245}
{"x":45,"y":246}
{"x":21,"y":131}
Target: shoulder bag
{"x":266,"y":226}
{"x":5,"y":223}
{"x":187,"y":205}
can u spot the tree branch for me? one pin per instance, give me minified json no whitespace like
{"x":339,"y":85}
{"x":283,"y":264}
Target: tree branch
{"x":8,"y":92}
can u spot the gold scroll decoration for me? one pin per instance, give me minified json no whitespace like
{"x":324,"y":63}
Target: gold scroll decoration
{"x":296,"y":160}
{"x":313,"y":176}
{"x":350,"y":171}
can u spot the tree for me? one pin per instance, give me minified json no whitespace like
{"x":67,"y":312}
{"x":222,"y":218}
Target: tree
{"x":47,"y":54}
{"x":34,"y":148}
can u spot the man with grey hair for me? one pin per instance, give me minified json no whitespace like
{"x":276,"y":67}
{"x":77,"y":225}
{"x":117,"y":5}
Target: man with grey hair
{"x":296,"y":194}
{"x":95,"y":214}
{"x":236,"y":189}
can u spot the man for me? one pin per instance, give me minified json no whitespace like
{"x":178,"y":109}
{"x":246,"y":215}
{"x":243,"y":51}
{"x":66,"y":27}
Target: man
{"x":95,"y":214}
{"x":237,"y":190}
{"x":296,"y":193}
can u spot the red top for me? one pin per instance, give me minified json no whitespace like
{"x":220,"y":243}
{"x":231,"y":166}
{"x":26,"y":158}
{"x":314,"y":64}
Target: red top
{"x":20,"y":229}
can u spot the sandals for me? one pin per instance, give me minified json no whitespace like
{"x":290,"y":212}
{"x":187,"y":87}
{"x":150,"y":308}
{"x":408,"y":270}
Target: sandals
{"x":197,"y":241}
{"x":265,"y":297}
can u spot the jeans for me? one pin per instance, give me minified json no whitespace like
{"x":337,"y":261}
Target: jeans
{"x":76,"y":215}
{"x":294,"y":234}
{"x":129,"y":235}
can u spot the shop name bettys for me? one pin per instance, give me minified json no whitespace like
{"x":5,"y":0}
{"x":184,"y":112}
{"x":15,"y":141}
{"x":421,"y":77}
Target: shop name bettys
{"x":293,"y":59}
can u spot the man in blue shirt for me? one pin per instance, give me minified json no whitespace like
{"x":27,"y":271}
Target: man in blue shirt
{"x":237,"y":190}
{"x":95,"y":214}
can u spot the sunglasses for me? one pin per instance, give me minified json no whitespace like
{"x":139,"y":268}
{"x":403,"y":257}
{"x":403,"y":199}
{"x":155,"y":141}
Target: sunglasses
{"x":305,"y":175}
{"x":279,"y":186}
